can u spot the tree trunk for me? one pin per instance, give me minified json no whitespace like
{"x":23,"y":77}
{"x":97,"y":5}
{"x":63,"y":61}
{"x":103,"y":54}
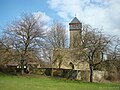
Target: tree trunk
{"x":52,"y":71}
{"x":22,"y":67}
{"x":22,"y":71}
{"x":91,"y":73}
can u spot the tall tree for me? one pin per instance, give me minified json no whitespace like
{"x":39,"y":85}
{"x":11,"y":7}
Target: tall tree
{"x":94,"y":45}
{"x":56,"y":38}
{"x":26,"y":35}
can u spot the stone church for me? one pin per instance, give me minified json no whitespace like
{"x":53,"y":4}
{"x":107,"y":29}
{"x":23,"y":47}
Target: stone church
{"x":70,"y":58}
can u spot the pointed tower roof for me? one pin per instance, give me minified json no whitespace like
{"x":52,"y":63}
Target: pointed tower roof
{"x":75,"y":20}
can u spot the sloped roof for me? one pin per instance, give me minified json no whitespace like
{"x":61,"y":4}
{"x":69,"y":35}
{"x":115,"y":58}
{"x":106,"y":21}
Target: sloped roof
{"x":12,"y":63}
{"x":75,"y":20}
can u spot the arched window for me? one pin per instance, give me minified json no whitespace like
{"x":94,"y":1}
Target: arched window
{"x":72,"y":65}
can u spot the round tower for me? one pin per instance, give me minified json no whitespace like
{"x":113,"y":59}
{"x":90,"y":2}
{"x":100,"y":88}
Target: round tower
{"x":75,"y":27}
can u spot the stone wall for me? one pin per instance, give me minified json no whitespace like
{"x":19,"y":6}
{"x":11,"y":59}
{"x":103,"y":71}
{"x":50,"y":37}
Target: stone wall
{"x":75,"y":38}
{"x":66,"y":57}
{"x":99,"y":76}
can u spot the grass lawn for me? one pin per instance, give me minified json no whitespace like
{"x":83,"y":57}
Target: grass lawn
{"x":8,"y":82}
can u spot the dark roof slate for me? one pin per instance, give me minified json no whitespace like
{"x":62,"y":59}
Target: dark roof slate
{"x":75,"y":20}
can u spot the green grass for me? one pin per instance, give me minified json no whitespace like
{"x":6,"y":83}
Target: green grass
{"x":9,"y":82}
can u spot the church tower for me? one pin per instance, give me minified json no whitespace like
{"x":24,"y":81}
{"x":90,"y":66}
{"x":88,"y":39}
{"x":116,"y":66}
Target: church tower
{"x":75,"y":27}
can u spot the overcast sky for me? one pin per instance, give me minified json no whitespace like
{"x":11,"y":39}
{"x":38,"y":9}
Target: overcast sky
{"x":98,"y":13}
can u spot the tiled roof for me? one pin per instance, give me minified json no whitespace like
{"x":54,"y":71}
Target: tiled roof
{"x":75,"y":20}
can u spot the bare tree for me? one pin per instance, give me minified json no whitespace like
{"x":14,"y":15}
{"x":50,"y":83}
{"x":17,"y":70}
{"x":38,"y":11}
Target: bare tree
{"x":5,"y":50}
{"x":56,"y":38}
{"x":112,"y":64}
{"x":26,"y":35}
{"x":94,"y":45}
{"x":114,"y":50}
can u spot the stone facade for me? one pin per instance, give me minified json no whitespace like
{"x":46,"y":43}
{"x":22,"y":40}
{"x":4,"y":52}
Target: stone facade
{"x":75,"y":39}
{"x":68,"y":58}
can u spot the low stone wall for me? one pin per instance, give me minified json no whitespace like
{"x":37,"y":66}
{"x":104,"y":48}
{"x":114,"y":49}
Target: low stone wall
{"x":83,"y":75}
{"x":99,"y":76}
